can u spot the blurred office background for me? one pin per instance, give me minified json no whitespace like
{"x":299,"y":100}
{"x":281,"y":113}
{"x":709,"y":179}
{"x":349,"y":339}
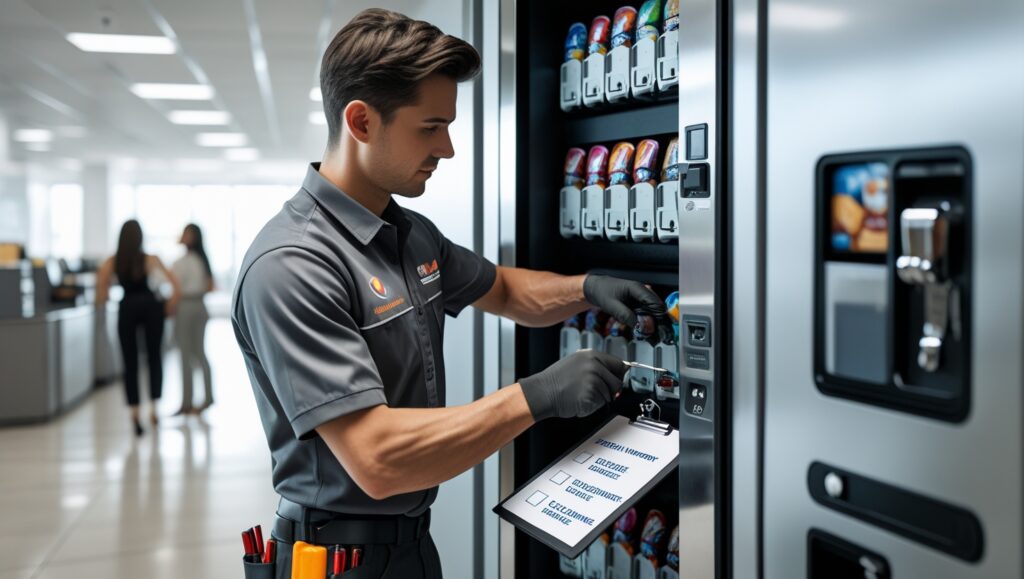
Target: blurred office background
{"x":211,"y":120}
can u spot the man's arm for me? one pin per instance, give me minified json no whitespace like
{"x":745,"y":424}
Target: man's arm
{"x":534,"y":298}
{"x":390,"y":451}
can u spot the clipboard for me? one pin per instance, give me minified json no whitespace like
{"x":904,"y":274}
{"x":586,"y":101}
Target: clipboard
{"x":553,"y":507}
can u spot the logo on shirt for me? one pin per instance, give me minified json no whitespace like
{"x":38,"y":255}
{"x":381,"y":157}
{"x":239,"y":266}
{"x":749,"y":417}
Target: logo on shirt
{"x":378,"y":289}
{"x":429,"y":272}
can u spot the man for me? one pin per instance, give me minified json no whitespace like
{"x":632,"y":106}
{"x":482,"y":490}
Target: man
{"x":340,"y":304}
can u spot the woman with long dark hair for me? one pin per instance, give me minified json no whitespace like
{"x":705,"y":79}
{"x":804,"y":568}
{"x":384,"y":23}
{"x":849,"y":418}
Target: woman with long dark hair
{"x":140,"y":308}
{"x":196,"y":278}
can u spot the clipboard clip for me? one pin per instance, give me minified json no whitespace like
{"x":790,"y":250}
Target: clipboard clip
{"x":648,"y":419}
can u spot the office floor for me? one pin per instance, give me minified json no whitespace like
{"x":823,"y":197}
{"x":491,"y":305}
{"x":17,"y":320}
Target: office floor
{"x":82,"y":497}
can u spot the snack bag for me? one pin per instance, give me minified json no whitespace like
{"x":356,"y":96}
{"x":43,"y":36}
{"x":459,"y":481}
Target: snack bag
{"x":597,"y":41}
{"x":652,"y":538}
{"x":575,"y":42}
{"x":646,"y":159}
{"x":672,"y":558}
{"x":670,"y":166}
{"x":620,"y":163}
{"x":625,"y":531}
{"x":647,"y":20}
{"x":671,"y":15}
{"x":622,"y":26}
{"x":597,"y":159}
{"x":574,"y":167}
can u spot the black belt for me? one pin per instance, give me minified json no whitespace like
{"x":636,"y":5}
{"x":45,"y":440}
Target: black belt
{"x":355,"y":530}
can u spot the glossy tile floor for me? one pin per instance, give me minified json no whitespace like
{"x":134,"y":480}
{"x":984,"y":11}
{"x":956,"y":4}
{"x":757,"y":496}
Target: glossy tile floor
{"x":82,"y":497}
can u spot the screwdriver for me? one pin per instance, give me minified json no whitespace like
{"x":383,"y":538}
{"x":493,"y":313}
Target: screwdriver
{"x":644,"y":366}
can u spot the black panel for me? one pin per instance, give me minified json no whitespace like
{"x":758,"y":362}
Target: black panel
{"x":829,"y":557}
{"x":947,"y":528}
{"x":544,"y":134}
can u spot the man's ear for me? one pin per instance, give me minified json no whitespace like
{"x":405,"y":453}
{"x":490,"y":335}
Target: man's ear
{"x":360,"y":118}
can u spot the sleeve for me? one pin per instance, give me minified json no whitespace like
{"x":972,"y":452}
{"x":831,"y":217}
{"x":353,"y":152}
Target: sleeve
{"x":296,"y":310}
{"x":465,"y":276}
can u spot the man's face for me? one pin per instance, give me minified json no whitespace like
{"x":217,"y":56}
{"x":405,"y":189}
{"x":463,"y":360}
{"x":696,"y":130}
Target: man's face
{"x":405,"y":152}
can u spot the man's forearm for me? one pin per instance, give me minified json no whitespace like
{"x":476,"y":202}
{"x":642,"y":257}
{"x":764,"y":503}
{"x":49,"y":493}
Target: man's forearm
{"x":392,"y":451}
{"x":540,"y":298}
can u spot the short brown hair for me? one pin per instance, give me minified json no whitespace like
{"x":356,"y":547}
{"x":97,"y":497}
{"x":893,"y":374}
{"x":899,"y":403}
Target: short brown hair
{"x":381,"y":56}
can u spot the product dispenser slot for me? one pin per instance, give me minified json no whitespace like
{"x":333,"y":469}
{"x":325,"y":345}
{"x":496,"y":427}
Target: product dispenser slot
{"x":829,"y":557}
{"x":893,"y":280}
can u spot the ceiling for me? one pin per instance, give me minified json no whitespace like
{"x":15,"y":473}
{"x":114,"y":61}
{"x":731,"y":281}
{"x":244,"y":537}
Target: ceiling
{"x":84,"y":98}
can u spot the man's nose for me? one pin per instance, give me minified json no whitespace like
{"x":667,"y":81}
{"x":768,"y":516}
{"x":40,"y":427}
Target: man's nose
{"x":446,"y":150}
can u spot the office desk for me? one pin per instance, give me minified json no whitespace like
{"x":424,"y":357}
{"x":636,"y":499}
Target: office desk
{"x":46,"y":363}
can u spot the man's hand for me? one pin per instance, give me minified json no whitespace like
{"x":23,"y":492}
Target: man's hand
{"x":619,"y":297}
{"x":575,"y":386}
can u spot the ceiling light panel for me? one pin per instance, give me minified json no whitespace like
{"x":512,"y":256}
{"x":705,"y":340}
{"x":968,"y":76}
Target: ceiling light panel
{"x":199,"y":117}
{"x":122,"y":43}
{"x":221,"y":140}
{"x":33,"y":135}
{"x":181,"y":92}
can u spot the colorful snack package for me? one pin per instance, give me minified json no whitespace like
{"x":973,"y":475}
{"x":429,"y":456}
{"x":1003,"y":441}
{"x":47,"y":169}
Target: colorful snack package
{"x":625,"y":530}
{"x":647,"y":20}
{"x":597,"y":172}
{"x":672,"y":557}
{"x":671,"y":15}
{"x":623,"y":25}
{"x":646,"y":160}
{"x":670,"y":166}
{"x":574,"y":167}
{"x":620,"y":163}
{"x":597,"y":41}
{"x":652,"y":538}
{"x":575,"y":42}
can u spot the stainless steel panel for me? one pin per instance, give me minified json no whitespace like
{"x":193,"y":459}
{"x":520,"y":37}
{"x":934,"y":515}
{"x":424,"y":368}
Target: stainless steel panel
{"x":697,"y":221}
{"x":867,"y":75}
{"x":505,"y":166}
{"x":745,"y":282}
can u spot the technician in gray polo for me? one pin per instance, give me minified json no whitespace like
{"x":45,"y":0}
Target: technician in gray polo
{"x":340,"y":305}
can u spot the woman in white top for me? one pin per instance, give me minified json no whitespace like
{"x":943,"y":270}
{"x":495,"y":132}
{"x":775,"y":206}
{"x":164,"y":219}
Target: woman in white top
{"x":196,"y":280}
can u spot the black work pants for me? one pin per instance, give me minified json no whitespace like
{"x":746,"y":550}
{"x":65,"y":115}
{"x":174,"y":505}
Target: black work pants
{"x":148,"y":313}
{"x":413,"y":560}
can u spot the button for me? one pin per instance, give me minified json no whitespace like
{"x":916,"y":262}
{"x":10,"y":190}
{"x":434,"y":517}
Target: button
{"x":419,"y":311}
{"x":834,"y":485}
{"x":696,"y":398}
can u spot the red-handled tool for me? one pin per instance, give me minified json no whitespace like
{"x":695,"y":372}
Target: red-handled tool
{"x":338,"y":560}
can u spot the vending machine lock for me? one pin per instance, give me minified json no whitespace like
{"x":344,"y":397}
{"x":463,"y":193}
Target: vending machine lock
{"x":924,"y":234}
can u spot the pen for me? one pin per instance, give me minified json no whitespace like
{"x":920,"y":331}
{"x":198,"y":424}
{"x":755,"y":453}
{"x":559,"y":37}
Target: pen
{"x":644,"y":366}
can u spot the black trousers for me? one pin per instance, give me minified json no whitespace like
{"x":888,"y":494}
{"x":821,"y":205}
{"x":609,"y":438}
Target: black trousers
{"x":412,"y":560}
{"x":148,"y":313}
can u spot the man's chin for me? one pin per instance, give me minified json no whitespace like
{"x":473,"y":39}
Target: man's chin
{"x":411,"y":191}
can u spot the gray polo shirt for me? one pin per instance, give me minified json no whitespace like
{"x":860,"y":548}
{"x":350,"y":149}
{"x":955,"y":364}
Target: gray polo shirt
{"x":337,"y":310}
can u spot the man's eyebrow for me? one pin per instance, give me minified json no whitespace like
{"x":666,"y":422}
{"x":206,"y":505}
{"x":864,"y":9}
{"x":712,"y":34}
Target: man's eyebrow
{"x":437,"y":120}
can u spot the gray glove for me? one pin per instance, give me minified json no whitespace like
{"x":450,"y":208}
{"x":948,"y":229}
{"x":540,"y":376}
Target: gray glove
{"x":574,"y":386}
{"x":619,"y":297}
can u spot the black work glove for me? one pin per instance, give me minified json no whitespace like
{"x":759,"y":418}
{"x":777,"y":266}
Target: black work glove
{"x":619,"y":297}
{"x":574,"y":386}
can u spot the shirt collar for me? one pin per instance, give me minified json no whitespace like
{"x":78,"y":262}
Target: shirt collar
{"x":360,"y":221}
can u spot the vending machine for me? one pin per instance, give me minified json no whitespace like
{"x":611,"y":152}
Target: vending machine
{"x":893,"y":441}
{"x":840,"y":233}
{"x":592,"y":94}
